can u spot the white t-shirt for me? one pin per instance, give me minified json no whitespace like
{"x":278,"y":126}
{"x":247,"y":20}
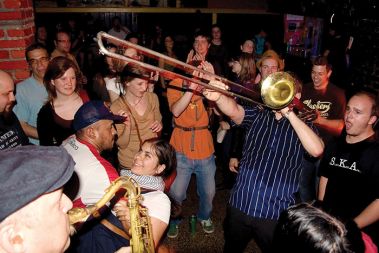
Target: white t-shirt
{"x":158,"y":204}
{"x":111,"y":85}
{"x":121,"y":34}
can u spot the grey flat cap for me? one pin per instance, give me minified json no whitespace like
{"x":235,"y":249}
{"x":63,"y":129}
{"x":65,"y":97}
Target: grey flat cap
{"x":30,"y":171}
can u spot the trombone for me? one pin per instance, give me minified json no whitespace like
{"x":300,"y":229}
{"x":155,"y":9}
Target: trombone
{"x":277,"y":90}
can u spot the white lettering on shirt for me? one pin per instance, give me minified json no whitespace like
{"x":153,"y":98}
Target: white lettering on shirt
{"x":343,"y":163}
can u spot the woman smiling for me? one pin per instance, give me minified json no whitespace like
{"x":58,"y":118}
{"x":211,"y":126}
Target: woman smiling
{"x":64,"y":99}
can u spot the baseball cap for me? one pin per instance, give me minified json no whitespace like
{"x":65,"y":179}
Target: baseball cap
{"x":273,"y":55}
{"x":28,"y":172}
{"x":93,"y":111}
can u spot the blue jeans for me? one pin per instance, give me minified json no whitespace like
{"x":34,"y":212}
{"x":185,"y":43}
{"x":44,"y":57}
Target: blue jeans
{"x":204,"y":170}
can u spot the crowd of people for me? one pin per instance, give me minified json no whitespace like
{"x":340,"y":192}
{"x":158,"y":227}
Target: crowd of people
{"x":68,"y":133}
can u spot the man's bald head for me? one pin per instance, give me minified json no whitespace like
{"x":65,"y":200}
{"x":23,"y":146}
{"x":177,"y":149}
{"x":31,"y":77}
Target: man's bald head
{"x":6,"y":92}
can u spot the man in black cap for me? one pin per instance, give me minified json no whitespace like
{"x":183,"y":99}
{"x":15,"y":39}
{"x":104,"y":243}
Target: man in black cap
{"x":11,"y":133}
{"x":33,"y":212}
{"x":95,"y":132}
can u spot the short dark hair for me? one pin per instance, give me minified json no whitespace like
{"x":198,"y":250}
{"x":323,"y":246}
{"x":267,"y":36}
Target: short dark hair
{"x":34,"y":46}
{"x":166,"y":155}
{"x":216,"y":25}
{"x":132,"y":35}
{"x":202,"y":33}
{"x":305,"y":228}
{"x":322,"y":61}
{"x":56,"y":68}
{"x":61,"y":31}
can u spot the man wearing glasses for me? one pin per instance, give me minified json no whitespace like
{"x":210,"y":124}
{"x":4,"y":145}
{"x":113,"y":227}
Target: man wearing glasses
{"x":31,"y":93}
{"x":62,"y":43}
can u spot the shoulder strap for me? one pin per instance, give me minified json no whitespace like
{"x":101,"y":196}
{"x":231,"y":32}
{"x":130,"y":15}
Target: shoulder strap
{"x":135,"y":121}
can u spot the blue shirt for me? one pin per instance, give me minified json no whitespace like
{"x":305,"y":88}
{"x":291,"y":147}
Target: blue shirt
{"x":270,"y":166}
{"x":30,"y":97}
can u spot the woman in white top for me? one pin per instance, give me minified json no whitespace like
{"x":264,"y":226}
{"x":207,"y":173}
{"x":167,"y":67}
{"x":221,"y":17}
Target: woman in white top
{"x":154,"y":162}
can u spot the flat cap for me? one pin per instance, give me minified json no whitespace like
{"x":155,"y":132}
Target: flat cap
{"x":28,"y":172}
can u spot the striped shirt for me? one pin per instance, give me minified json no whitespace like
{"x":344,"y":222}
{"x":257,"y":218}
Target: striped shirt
{"x":270,"y":166}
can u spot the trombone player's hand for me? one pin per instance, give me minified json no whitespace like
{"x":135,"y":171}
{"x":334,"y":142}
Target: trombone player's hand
{"x":214,"y":95}
{"x":310,"y":116}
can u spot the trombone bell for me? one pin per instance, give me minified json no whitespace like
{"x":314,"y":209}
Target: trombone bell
{"x":278,"y":90}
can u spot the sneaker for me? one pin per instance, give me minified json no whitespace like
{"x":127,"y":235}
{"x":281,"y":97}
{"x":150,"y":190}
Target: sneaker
{"x":207,"y":226}
{"x":173,"y":231}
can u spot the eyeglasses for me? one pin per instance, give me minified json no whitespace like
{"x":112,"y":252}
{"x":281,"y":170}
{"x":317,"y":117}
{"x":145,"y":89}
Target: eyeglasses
{"x":266,"y":67}
{"x":42,"y":60}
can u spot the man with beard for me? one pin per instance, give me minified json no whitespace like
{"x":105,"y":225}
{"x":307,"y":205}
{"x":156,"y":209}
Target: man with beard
{"x":350,"y":168}
{"x":95,"y":132}
{"x":11,"y":133}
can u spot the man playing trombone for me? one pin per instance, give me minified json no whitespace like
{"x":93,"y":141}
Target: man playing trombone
{"x":269,"y":170}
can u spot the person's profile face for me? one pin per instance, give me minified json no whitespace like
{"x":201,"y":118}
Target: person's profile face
{"x":7,"y":98}
{"x":50,"y":229}
{"x":105,"y":134}
{"x":236,"y":66}
{"x":358,"y":115}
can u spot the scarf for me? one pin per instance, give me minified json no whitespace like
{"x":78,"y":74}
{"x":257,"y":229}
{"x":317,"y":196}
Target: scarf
{"x":147,"y":182}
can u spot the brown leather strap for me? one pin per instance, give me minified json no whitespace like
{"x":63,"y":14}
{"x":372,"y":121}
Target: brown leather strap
{"x":192,"y":130}
{"x":135,"y":121}
{"x":115,"y":229}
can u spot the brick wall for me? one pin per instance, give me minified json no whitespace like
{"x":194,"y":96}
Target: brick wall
{"x":16,"y":33}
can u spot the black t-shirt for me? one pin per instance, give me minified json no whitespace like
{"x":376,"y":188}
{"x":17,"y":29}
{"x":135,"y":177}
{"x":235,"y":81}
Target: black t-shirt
{"x":11,"y":133}
{"x":331,"y":104}
{"x":353,"y":178}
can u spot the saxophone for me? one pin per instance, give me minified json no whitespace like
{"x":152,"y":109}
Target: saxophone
{"x":140,"y":226}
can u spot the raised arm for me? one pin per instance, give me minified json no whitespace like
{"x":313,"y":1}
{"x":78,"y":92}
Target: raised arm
{"x":225,"y":104}
{"x":309,"y":139}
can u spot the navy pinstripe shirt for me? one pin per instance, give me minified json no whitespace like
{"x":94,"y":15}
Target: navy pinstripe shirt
{"x":270,"y":166}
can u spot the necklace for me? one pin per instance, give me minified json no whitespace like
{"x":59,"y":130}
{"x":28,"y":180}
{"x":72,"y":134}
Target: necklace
{"x":135,"y":103}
